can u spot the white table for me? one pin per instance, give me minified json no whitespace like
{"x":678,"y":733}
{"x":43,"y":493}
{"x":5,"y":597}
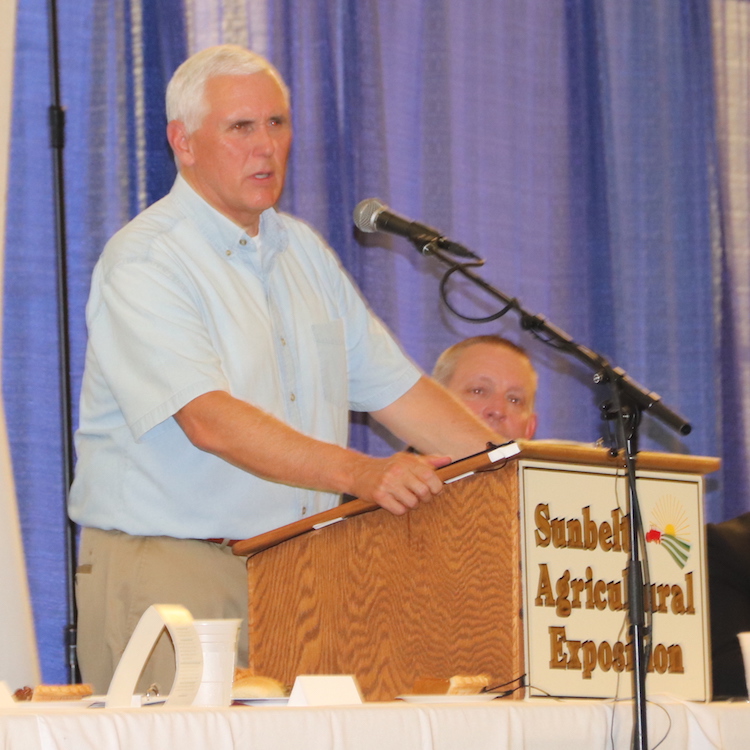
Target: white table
{"x":497,"y":725}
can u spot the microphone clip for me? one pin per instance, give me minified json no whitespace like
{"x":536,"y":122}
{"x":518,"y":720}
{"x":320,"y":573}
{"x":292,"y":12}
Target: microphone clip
{"x":438,"y":245}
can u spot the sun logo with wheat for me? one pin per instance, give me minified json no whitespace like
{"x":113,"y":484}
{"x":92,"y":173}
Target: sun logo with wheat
{"x":670,"y":529}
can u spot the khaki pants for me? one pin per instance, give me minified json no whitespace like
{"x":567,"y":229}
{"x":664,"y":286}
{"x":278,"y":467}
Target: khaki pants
{"x":119,"y":576}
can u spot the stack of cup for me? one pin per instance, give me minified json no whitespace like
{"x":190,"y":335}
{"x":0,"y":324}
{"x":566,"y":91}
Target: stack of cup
{"x":219,"y":644}
{"x":745,"y":646}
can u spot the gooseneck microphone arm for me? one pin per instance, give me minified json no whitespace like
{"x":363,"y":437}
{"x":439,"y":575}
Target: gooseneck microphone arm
{"x":629,"y":400}
{"x":640,"y":397}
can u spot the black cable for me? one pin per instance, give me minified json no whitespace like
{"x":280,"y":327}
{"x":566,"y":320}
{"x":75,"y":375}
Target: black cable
{"x":512,"y":304}
{"x":521,"y":678}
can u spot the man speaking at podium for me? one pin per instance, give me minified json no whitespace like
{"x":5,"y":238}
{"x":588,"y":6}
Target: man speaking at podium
{"x":226,"y":347}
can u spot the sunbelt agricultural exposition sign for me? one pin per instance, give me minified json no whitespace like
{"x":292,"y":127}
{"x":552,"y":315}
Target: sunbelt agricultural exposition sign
{"x":576,"y":535}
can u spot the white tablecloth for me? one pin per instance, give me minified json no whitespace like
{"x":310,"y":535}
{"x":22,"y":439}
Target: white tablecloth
{"x":501,"y":724}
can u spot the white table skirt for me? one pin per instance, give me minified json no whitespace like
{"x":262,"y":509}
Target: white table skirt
{"x":497,"y":725}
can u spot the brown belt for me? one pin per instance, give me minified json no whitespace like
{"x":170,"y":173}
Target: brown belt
{"x":224,"y":542}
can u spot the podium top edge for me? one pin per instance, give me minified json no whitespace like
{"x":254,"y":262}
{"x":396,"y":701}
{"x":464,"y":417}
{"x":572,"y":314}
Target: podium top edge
{"x":544,"y":450}
{"x":552,"y":450}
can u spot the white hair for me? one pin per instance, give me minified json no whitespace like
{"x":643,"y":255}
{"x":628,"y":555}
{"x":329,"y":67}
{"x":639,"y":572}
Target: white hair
{"x":186,"y":100}
{"x":445,"y":367}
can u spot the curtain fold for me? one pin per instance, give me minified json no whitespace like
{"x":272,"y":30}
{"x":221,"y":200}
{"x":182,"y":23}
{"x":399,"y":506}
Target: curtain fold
{"x":731,"y":36}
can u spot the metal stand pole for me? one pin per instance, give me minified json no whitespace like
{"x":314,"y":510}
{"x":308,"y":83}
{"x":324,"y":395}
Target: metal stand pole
{"x":57,"y":143}
{"x":628,"y":418}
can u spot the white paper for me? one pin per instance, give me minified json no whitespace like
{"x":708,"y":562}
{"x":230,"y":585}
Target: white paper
{"x":325,"y":690}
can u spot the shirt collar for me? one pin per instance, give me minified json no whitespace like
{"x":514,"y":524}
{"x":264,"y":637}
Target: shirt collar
{"x":221,"y":232}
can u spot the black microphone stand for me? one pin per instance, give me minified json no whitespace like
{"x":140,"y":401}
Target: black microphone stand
{"x":57,"y":143}
{"x":628,"y":401}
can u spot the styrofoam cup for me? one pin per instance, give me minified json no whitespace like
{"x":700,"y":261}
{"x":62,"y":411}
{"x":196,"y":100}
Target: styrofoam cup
{"x":219,"y":645}
{"x":217,"y":694}
{"x":745,"y":646}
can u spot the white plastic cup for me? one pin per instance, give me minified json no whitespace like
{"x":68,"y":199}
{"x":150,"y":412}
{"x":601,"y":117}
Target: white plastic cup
{"x":219,"y":645}
{"x":745,"y":646}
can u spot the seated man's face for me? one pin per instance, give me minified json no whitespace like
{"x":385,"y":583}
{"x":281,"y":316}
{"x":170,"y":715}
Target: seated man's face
{"x":498,"y":385}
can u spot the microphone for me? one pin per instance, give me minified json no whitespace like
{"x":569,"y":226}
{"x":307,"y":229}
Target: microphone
{"x":372,"y":215}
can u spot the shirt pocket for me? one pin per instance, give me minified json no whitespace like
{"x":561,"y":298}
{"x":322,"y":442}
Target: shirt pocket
{"x":331,"y":345}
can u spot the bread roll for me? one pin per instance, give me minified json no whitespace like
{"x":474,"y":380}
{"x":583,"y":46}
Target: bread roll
{"x":468,"y":684}
{"x":456,"y":685}
{"x":61,"y":692}
{"x":248,"y":686}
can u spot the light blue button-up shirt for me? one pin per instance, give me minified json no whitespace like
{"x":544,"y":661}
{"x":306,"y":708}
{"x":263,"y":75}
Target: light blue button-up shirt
{"x":183,"y":302}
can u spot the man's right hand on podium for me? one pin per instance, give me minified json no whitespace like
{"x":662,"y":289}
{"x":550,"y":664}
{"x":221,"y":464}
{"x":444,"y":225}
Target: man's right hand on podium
{"x":398,"y":483}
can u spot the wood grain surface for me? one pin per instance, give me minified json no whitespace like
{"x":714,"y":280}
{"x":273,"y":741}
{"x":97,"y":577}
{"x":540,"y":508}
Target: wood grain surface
{"x":434,"y":593}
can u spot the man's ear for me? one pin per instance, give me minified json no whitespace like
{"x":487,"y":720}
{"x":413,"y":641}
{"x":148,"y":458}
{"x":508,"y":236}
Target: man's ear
{"x":179,"y":140}
{"x":531,"y":427}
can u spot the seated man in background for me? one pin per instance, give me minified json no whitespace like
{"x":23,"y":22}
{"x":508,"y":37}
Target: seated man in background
{"x":495,"y":378}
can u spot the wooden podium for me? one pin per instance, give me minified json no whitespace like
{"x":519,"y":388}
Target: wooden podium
{"x":434,"y":593}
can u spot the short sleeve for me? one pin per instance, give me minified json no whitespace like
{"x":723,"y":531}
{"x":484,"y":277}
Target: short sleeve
{"x":150,"y":342}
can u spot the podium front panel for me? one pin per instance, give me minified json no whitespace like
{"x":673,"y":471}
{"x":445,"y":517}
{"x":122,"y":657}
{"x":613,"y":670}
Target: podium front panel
{"x":390,"y":599}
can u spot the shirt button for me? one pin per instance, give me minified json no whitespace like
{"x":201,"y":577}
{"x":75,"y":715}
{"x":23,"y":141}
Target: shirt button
{"x":304,"y":510}
{"x":283,"y":341}
{"x":229,"y":252}
{"x":243,"y":241}
{"x":293,"y":397}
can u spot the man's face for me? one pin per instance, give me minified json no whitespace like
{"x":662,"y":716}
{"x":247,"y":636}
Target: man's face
{"x":236,"y":159}
{"x":499,"y":386}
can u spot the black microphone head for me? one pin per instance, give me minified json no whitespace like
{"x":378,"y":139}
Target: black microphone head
{"x":366,"y":213}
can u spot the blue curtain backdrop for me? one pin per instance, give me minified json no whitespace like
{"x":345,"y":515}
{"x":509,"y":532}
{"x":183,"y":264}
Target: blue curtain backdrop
{"x":570,"y":143}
